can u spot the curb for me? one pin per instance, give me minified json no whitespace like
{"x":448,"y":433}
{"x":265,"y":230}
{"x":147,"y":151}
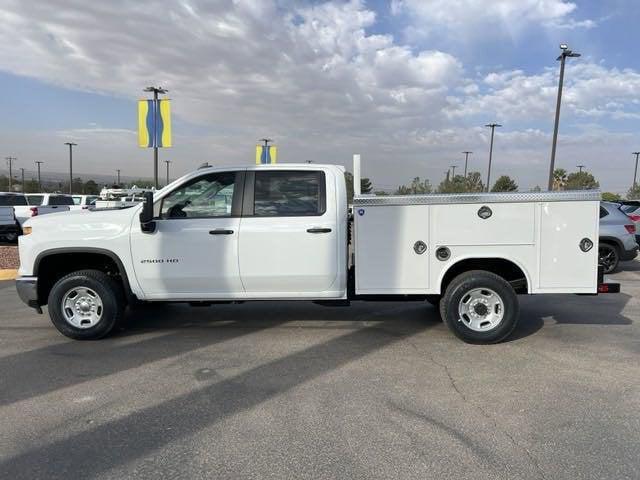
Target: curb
{"x":8,"y":274}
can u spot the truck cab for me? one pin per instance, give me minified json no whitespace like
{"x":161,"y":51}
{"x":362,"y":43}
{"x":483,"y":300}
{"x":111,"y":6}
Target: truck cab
{"x":285,"y":232}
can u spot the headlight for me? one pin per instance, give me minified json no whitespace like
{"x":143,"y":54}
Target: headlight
{"x":26,"y":230}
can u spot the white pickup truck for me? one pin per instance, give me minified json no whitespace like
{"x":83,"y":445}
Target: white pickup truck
{"x":30,"y":205}
{"x":285,"y":232}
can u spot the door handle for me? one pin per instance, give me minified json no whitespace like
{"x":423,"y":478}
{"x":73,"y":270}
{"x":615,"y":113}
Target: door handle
{"x":318,"y":230}
{"x":220,"y":231}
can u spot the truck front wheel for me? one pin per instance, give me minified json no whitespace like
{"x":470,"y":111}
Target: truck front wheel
{"x":86,"y":305}
{"x":480,"y":307}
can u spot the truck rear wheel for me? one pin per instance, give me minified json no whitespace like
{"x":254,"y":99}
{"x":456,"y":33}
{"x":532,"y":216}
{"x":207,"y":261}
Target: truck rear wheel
{"x":480,"y":307}
{"x":86,"y":305}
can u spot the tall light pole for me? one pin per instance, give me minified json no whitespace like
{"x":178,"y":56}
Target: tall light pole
{"x":563,"y":56}
{"x":453,"y":174}
{"x":580,"y":167}
{"x":39,"y":181}
{"x":22,"y":178}
{"x":71,"y":145}
{"x":635,"y":172}
{"x":167,"y":162}
{"x":466,"y":161}
{"x":118,"y":176}
{"x":10,"y":162}
{"x":492,"y":126}
{"x":156,"y":91}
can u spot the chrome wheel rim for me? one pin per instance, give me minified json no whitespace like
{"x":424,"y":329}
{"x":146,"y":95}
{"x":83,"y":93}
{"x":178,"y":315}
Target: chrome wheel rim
{"x":481,"y":309}
{"x":82,"y":307}
{"x":607,"y":257}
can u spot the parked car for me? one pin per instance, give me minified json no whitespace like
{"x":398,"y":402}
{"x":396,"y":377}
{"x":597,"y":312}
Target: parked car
{"x":50,"y":199}
{"x":23,"y":210}
{"x":632,"y":210}
{"x":617,"y":237}
{"x":82,"y":202}
{"x":9,"y":228}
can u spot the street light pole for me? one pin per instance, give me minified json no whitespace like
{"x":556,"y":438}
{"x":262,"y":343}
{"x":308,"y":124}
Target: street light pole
{"x":563,"y":56}
{"x":167,"y":162}
{"x":71,"y":145}
{"x":118,"y":171}
{"x":453,"y":174}
{"x":466,"y":160}
{"x":22,"y":177}
{"x":581,"y":167}
{"x":492,"y":126}
{"x":156,"y":91}
{"x":10,"y":161}
{"x":39,"y":182}
{"x":635,"y":172}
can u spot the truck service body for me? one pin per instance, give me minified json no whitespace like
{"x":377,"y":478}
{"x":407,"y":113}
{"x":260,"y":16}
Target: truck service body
{"x":287,"y":232}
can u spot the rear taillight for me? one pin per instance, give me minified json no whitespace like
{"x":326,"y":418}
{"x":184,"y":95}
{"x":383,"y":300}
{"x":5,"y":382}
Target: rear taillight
{"x":630,"y":228}
{"x":34,"y":211}
{"x":635,"y":218}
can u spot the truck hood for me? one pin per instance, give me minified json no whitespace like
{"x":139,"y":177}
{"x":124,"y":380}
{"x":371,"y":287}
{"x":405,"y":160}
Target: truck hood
{"x":83,"y":223}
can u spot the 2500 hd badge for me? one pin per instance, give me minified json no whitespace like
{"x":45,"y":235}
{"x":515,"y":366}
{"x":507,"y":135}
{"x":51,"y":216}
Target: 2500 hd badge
{"x":160,"y":260}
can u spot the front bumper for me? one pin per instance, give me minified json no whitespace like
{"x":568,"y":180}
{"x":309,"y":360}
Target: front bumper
{"x":27,"y":288}
{"x":11,"y":229}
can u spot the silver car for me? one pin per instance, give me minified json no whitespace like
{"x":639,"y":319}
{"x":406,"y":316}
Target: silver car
{"x":617,"y":237}
{"x":632,"y":209}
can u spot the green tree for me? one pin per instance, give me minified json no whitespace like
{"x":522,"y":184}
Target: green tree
{"x":457,"y":184}
{"x":634,"y":193}
{"x":505,"y":184}
{"x":581,"y":181}
{"x":559,"y":179}
{"x":474,"y":182}
{"x":91,"y":188}
{"x":536,"y":189}
{"x":365,"y":185}
{"x":31,"y":186}
{"x":416,"y":187}
{"x":141,"y":183}
{"x":611,"y":197}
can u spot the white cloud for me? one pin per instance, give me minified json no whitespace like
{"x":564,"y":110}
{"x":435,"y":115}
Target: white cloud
{"x":312,"y":76}
{"x":470,"y":21}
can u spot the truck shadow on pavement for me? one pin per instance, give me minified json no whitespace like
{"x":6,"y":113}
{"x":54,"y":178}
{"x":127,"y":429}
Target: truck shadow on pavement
{"x":569,"y":309}
{"x":142,"y":432}
{"x":157,"y":332}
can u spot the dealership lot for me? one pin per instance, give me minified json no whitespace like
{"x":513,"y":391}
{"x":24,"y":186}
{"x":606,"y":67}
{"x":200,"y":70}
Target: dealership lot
{"x":293,"y":390}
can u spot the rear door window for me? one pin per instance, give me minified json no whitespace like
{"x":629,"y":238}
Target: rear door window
{"x":13,"y":200}
{"x":35,"y":199}
{"x":60,"y":200}
{"x":603,"y":212}
{"x":289,"y":194}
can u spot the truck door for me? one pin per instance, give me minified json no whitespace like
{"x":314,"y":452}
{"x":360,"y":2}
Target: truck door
{"x":288,"y":238}
{"x":194,"y":251}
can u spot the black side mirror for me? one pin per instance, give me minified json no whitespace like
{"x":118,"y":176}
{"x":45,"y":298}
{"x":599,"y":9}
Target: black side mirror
{"x":147,"y":224}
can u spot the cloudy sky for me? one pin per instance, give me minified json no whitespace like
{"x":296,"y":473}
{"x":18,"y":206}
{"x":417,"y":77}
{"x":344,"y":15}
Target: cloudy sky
{"x":406,"y":83}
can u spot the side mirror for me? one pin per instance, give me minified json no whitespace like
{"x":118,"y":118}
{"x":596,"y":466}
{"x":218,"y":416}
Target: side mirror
{"x":147,"y":224}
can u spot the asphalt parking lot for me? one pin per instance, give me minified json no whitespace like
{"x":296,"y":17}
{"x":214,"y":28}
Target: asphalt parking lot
{"x":293,"y":390}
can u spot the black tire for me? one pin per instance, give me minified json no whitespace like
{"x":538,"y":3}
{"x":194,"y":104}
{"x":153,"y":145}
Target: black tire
{"x":110,"y":294}
{"x":608,"y":257}
{"x":461,"y":293}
